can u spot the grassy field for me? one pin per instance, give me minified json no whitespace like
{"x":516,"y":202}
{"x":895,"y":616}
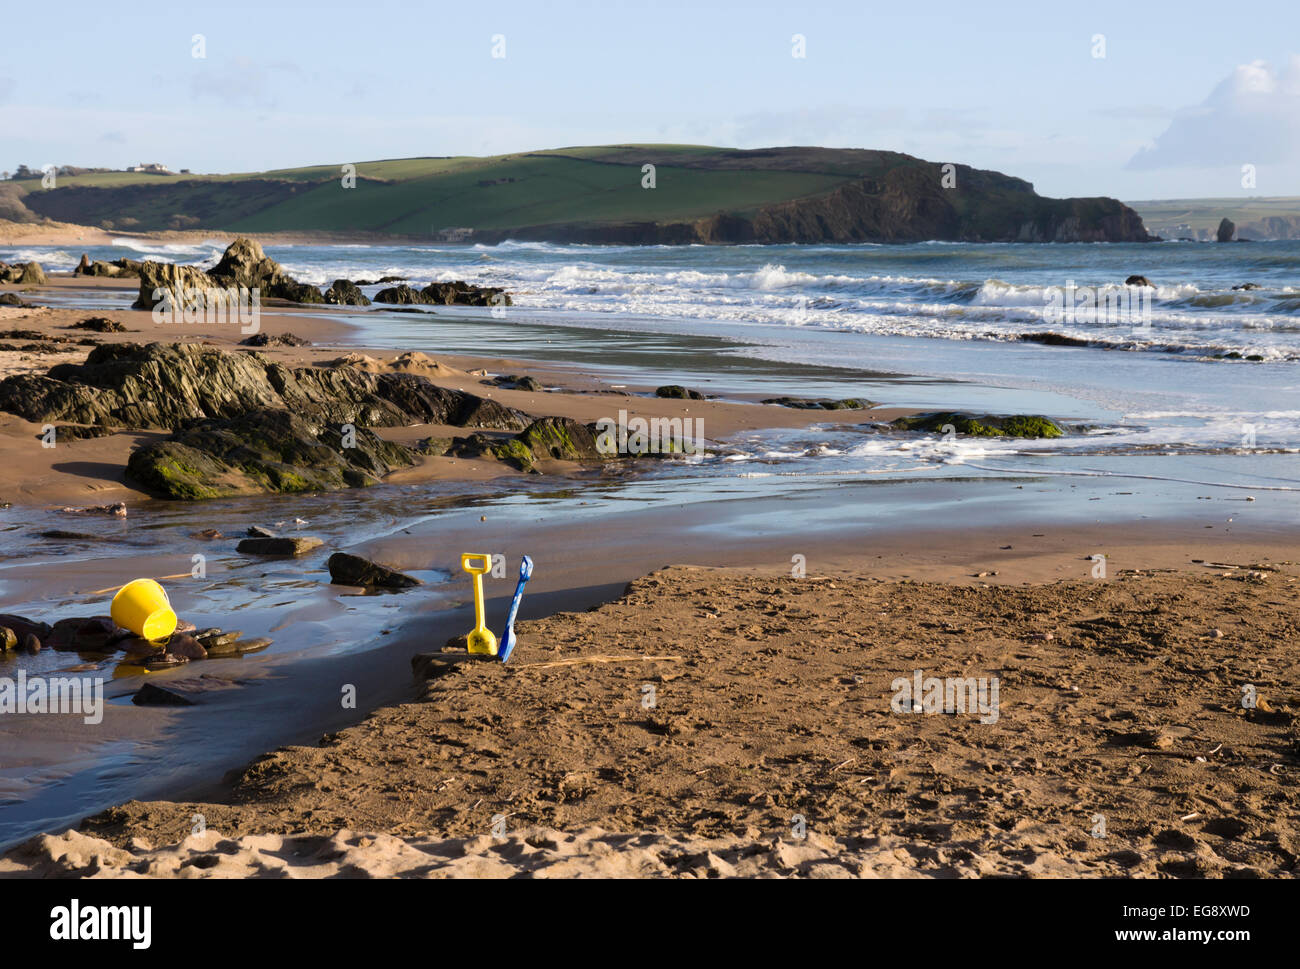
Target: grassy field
{"x":1204,"y":214}
{"x":415,"y":196}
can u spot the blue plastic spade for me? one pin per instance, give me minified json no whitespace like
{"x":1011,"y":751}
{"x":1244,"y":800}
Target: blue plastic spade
{"x":508,"y":637}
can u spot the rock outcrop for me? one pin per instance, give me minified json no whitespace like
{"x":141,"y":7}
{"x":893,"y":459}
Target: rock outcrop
{"x":243,"y":264}
{"x":444,"y":294}
{"x":163,"y":385}
{"x":343,"y":292}
{"x":23,"y":273}
{"x":243,"y":424}
{"x":1225,"y":231}
{"x":117,"y":269}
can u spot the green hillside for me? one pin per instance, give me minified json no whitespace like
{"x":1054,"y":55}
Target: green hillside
{"x":416,"y":196}
{"x":594,"y":193}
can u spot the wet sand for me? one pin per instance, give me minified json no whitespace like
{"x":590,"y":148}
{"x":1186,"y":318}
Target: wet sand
{"x":90,"y":471}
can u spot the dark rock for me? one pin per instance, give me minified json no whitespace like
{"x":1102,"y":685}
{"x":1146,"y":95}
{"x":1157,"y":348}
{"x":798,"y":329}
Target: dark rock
{"x":805,"y":403}
{"x":346,"y":569}
{"x":402,"y":295}
{"x":1246,"y":286}
{"x":162,"y":661}
{"x":29,"y":645}
{"x":257,"y":531}
{"x":299,"y":545}
{"x":678,"y":392}
{"x":209,"y":638}
{"x":342,"y":292}
{"x":1053,"y":339}
{"x":239,"y":647}
{"x":99,"y":324}
{"x":1225,"y":231}
{"x":444,"y":294}
{"x":151,"y":695}
{"x":516,"y":382}
{"x":25,"y":627}
{"x":76,"y":432}
{"x":464,"y":294}
{"x":483,"y":412}
{"x":279,"y":340}
{"x":187,"y":646}
{"x":117,"y":269}
{"x":137,"y":647}
{"x":63,"y":535}
{"x":94,"y":634}
{"x":13,"y":299}
{"x":1138,"y":281}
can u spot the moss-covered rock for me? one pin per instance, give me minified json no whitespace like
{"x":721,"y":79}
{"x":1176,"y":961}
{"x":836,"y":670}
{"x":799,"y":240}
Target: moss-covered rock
{"x":262,"y":451}
{"x":821,"y":403}
{"x":678,"y":392}
{"x":1018,"y":425}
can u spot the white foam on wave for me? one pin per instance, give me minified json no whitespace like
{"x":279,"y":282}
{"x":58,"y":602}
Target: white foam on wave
{"x":48,"y":257}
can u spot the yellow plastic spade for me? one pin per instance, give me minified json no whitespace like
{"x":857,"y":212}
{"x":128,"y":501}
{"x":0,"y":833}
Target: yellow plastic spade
{"x":480,"y":637}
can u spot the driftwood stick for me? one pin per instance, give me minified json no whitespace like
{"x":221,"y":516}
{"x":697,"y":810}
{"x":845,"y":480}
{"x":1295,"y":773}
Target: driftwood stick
{"x":595,"y":659}
{"x":114,"y":588}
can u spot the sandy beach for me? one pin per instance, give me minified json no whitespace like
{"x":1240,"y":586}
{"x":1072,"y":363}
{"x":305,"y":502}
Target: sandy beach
{"x":749,"y":729}
{"x":721,"y":712}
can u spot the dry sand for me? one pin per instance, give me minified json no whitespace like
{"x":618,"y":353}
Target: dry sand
{"x":1120,"y":703}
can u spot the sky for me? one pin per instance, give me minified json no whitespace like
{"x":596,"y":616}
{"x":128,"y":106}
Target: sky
{"x":1132,"y":100}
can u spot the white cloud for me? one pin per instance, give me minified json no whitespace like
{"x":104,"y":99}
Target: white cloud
{"x":1252,"y":116}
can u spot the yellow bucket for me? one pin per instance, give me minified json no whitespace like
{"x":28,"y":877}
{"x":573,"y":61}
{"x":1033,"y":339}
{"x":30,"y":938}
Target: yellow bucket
{"x":142,"y":607}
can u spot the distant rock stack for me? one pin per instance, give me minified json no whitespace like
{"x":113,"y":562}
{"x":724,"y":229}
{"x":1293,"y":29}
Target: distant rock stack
{"x":1226,"y":230}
